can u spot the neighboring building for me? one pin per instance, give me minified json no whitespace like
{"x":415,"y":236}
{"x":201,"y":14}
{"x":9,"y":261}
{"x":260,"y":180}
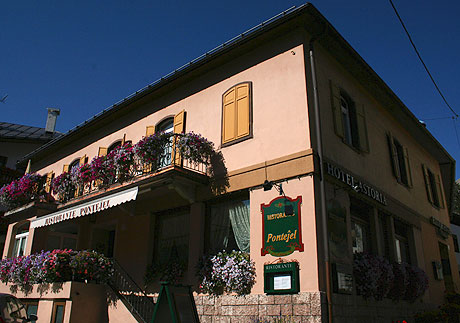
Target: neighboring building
{"x":385,"y":188}
{"x":16,"y":141}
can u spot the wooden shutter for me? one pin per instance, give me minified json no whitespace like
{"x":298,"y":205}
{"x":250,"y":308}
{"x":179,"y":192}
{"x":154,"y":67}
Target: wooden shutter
{"x":179,"y":127}
{"x":440,"y":191}
{"x":236,"y":113}
{"x":229,"y":116}
{"x":83,"y":160}
{"x":29,"y":166}
{"x":362,"y":129}
{"x":336,"y":110}
{"x":102,"y":151}
{"x":49,"y":179}
{"x":179,"y":122}
{"x":429,"y":192}
{"x":407,"y":165}
{"x":242,"y":110}
{"x":393,"y":156}
{"x":65,"y":168}
{"x":149,"y":130}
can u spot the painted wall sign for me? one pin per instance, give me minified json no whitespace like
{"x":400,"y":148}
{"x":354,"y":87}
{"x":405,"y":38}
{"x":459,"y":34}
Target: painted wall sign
{"x":355,"y":183}
{"x":281,"y":228}
{"x":87,"y":208}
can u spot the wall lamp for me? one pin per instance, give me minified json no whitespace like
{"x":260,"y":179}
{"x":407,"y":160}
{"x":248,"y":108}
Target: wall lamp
{"x":268,"y":185}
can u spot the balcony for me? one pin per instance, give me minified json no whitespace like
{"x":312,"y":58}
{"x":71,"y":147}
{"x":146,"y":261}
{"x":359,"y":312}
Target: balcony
{"x":154,"y":157}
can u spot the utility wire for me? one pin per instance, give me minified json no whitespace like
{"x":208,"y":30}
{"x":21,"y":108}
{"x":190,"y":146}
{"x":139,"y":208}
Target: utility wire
{"x":456,"y":132}
{"x":440,"y":118}
{"x":421,"y":60}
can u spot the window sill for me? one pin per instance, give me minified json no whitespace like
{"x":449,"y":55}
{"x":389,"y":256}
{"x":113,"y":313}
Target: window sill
{"x":236,"y":141}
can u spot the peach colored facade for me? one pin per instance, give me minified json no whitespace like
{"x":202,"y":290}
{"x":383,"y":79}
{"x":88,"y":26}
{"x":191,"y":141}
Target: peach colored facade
{"x":283,"y":148}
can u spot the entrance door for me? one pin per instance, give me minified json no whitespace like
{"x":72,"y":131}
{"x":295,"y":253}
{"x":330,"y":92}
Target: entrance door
{"x":103,"y":241}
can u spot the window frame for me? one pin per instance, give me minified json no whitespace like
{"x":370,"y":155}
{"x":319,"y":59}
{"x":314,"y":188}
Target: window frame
{"x":54,"y":313}
{"x":434,"y":189}
{"x":250,"y":102}
{"x":400,"y":161}
{"x":349,"y":120}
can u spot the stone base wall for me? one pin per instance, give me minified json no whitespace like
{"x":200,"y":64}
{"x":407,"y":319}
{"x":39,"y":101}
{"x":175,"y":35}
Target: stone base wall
{"x":355,"y":309}
{"x":303,"y":307}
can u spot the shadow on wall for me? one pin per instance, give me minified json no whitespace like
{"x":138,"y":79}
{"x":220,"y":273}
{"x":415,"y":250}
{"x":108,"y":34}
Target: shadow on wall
{"x":218,"y":174}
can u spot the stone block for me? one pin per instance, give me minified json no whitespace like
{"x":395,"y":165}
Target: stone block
{"x":283,"y":299}
{"x":205,"y":319}
{"x":222,"y":319}
{"x":198,"y":300}
{"x":265,"y":310}
{"x":286,"y":309}
{"x":266,"y":299}
{"x":239,"y":300}
{"x":235,"y":310}
{"x":301,"y":298}
{"x":242,"y":319}
{"x":199,"y":309}
{"x":208,"y":300}
{"x":208,"y":310}
{"x":315,"y":303}
{"x":301,"y":309}
{"x":316,"y":319}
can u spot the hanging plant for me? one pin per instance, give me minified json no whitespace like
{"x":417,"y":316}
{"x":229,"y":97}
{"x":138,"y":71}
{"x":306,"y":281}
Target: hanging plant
{"x":227,"y":272}
{"x":373,"y":275}
{"x":123,"y":161}
{"x":81,"y":174}
{"x":21,"y":191}
{"x":195,"y":148}
{"x":151,"y":149}
{"x":63,"y":187}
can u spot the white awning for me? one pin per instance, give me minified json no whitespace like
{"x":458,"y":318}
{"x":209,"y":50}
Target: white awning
{"x":87,"y":208}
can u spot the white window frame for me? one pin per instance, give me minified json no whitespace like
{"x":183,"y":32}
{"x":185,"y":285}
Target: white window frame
{"x":17,"y":244}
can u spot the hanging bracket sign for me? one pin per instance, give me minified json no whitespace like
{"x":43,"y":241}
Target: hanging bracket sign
{"x":281,"y":229}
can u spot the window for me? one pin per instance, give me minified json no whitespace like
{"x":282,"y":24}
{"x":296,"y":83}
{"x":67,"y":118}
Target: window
{"x":237,"y":113}
{"x":227,"y":226}
{"x":349,"y":120}
{"x":113,"y":146}
{"x":360,"y":227}
{"x":399,"y":157}
{"x":20,"y":240}
{"x":433,"y":188}
{"x":58,"y":312}
{"x":31,"y":308}
{"x":172,"y":237}
{"x":454,"y":237}
{"x":166,"y":126}
{"x":402,"y":249}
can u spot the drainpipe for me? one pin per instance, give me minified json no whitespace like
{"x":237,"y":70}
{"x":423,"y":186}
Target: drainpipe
{"x":319,"y":145}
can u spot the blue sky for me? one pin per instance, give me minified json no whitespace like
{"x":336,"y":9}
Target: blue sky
{"x":83,"y":56}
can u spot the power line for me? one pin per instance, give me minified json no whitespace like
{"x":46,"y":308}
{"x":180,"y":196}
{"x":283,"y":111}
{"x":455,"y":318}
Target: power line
{"x":421,"y":60}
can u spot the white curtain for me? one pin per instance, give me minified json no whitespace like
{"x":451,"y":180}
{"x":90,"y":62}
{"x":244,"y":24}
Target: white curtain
{"x":239,"y":217}
{"x":224,"y":215}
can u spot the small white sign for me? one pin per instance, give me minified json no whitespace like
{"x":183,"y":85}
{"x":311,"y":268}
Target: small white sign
{"x":281,"y":282}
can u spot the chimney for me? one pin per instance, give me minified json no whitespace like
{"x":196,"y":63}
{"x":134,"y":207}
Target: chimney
{"x":51,"y":119}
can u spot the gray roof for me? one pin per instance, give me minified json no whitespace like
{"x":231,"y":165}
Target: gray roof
{"x":21,"y":132}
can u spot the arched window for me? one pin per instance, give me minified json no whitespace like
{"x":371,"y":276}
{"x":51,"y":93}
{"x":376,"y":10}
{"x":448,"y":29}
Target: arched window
{"x":113,"y":146}
{"x":74,"y":163}
{"x":166,"y":126}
